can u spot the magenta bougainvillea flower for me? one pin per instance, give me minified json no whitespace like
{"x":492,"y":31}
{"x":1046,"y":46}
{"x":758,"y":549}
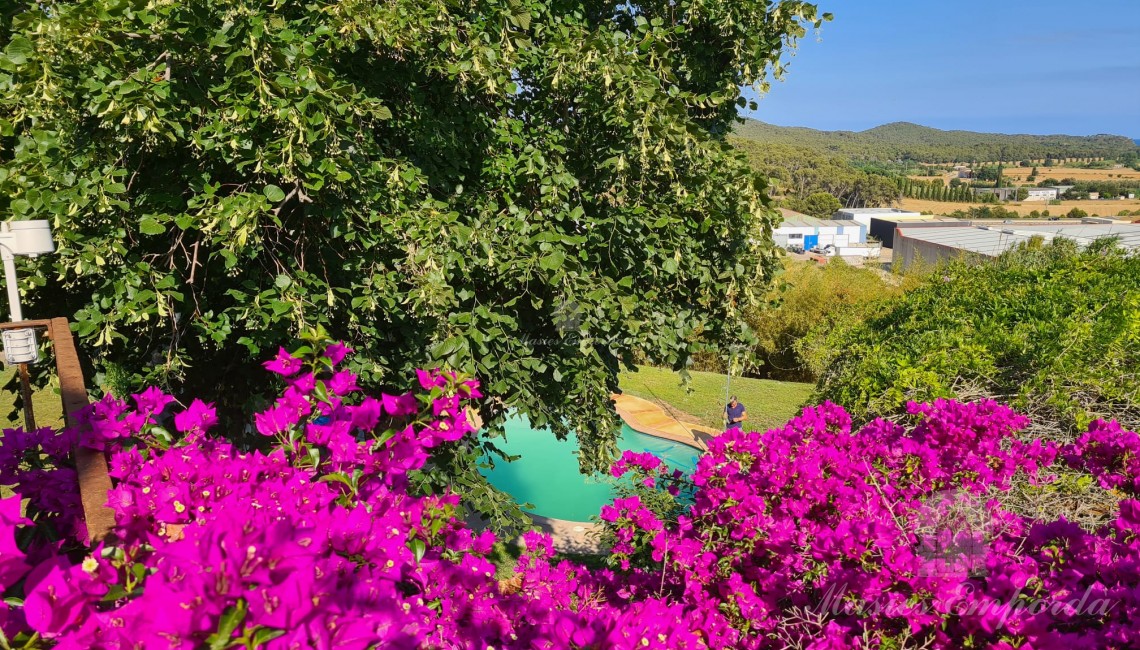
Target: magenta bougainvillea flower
{"x":199,"y":417}
{"x":336,"y":352}
{"x":284,"y":364}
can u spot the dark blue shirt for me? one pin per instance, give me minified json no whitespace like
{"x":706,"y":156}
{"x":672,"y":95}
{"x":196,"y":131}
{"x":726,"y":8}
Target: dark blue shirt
{"x":734,"y":412}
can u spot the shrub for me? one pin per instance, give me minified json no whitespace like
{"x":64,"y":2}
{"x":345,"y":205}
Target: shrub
{"x":1053,"y":330}
{"x":818,"y":535}
{"x":807,"y":298}
{"x":320,"y":543}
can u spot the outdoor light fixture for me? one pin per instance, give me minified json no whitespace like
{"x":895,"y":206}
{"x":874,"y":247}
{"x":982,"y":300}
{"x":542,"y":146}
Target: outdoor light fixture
{"x":29,"y":239}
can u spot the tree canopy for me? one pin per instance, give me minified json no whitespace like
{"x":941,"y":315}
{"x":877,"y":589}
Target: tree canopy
{"x":527,"y":191}
{"x":799,"y":172}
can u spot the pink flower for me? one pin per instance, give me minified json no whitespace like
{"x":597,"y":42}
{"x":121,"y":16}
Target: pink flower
{"x":337,"y":352}
{"x":54,"y":601}
{"x":199,"y":417}
{"x":342,"y":383}
{"x":304,"y":383}
{"x":429,"y":380}
{"x":12,"y":564}
{"x":274,"y":420}
{"x":152,"y":401}
{"x":284,"y":363}
{"x":367,"y":414}
{"x":398,"y":405}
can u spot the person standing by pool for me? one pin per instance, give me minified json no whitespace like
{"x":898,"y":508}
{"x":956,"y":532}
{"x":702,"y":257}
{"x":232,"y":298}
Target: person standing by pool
{"x":734,"y":414}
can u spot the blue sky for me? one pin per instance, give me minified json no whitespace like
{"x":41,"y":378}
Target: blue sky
{"x":1007,"y":66}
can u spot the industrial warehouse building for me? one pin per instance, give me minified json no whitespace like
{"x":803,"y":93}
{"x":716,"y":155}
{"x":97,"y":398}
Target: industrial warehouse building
{"x":934,"y":245}
{"x":1010,"y":193}
{"x":804,"y":232}
{"x":883,"y":228}
{"x":864,"y":215}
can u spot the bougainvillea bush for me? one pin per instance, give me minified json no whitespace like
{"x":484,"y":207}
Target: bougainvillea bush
{"x":807,"y":536}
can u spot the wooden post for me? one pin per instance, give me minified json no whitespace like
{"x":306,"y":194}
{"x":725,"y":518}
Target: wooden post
{"x":26,"y":396}
{"x":90,"y":464}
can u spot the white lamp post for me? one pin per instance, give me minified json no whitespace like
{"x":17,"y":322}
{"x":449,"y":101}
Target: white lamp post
{"x":30,"y":239}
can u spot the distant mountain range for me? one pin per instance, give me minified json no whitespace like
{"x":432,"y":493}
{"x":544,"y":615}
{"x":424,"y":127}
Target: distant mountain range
{"x":904,"y":140}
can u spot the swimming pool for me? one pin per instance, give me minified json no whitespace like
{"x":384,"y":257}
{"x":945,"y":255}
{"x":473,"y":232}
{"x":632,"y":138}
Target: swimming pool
{"x":547,"y":475}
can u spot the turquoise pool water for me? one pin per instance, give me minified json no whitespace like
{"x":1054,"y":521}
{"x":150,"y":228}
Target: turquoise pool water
{"x":547,"y":475}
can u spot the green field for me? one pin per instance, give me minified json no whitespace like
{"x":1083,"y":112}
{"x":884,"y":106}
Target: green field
{"x":769,"y":403}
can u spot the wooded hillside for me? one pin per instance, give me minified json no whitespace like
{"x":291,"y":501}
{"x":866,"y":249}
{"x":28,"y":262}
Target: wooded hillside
{"x":904,"y":140}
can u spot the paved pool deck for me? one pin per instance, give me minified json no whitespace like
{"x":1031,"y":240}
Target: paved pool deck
{"x":646,"y":417}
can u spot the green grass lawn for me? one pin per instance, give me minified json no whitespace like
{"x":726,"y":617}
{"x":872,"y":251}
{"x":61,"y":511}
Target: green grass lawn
{"x":45,"y":404}
{"x":769,"y":403}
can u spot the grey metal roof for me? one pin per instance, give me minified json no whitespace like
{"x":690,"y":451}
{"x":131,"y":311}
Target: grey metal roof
{"x":994,"y":240}
{"x":812,"y":222}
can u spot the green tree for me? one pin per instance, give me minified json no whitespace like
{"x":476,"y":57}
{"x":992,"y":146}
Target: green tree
{"x":801,"y":172}
{"x":820,"y":204}
{"x":988,"y":173}
{"x":527,"y":191}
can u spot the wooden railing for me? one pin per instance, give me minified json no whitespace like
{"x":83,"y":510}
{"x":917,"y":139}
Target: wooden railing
{"x":90,"y":464}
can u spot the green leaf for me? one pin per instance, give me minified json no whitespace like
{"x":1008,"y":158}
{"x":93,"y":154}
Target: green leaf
{"x":231,"y":619}
{"x":148,"y":226}
{"x":418,"y":548}
{"x":336,"y":477}
{"x":282,"y":281}
{"x":264,"y":635}
{"x":553,"y":261}
{"x":274,"y":194}
{"x":19,"y":49}
{"x":115,"y":592}
{"x":383,"y":438}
